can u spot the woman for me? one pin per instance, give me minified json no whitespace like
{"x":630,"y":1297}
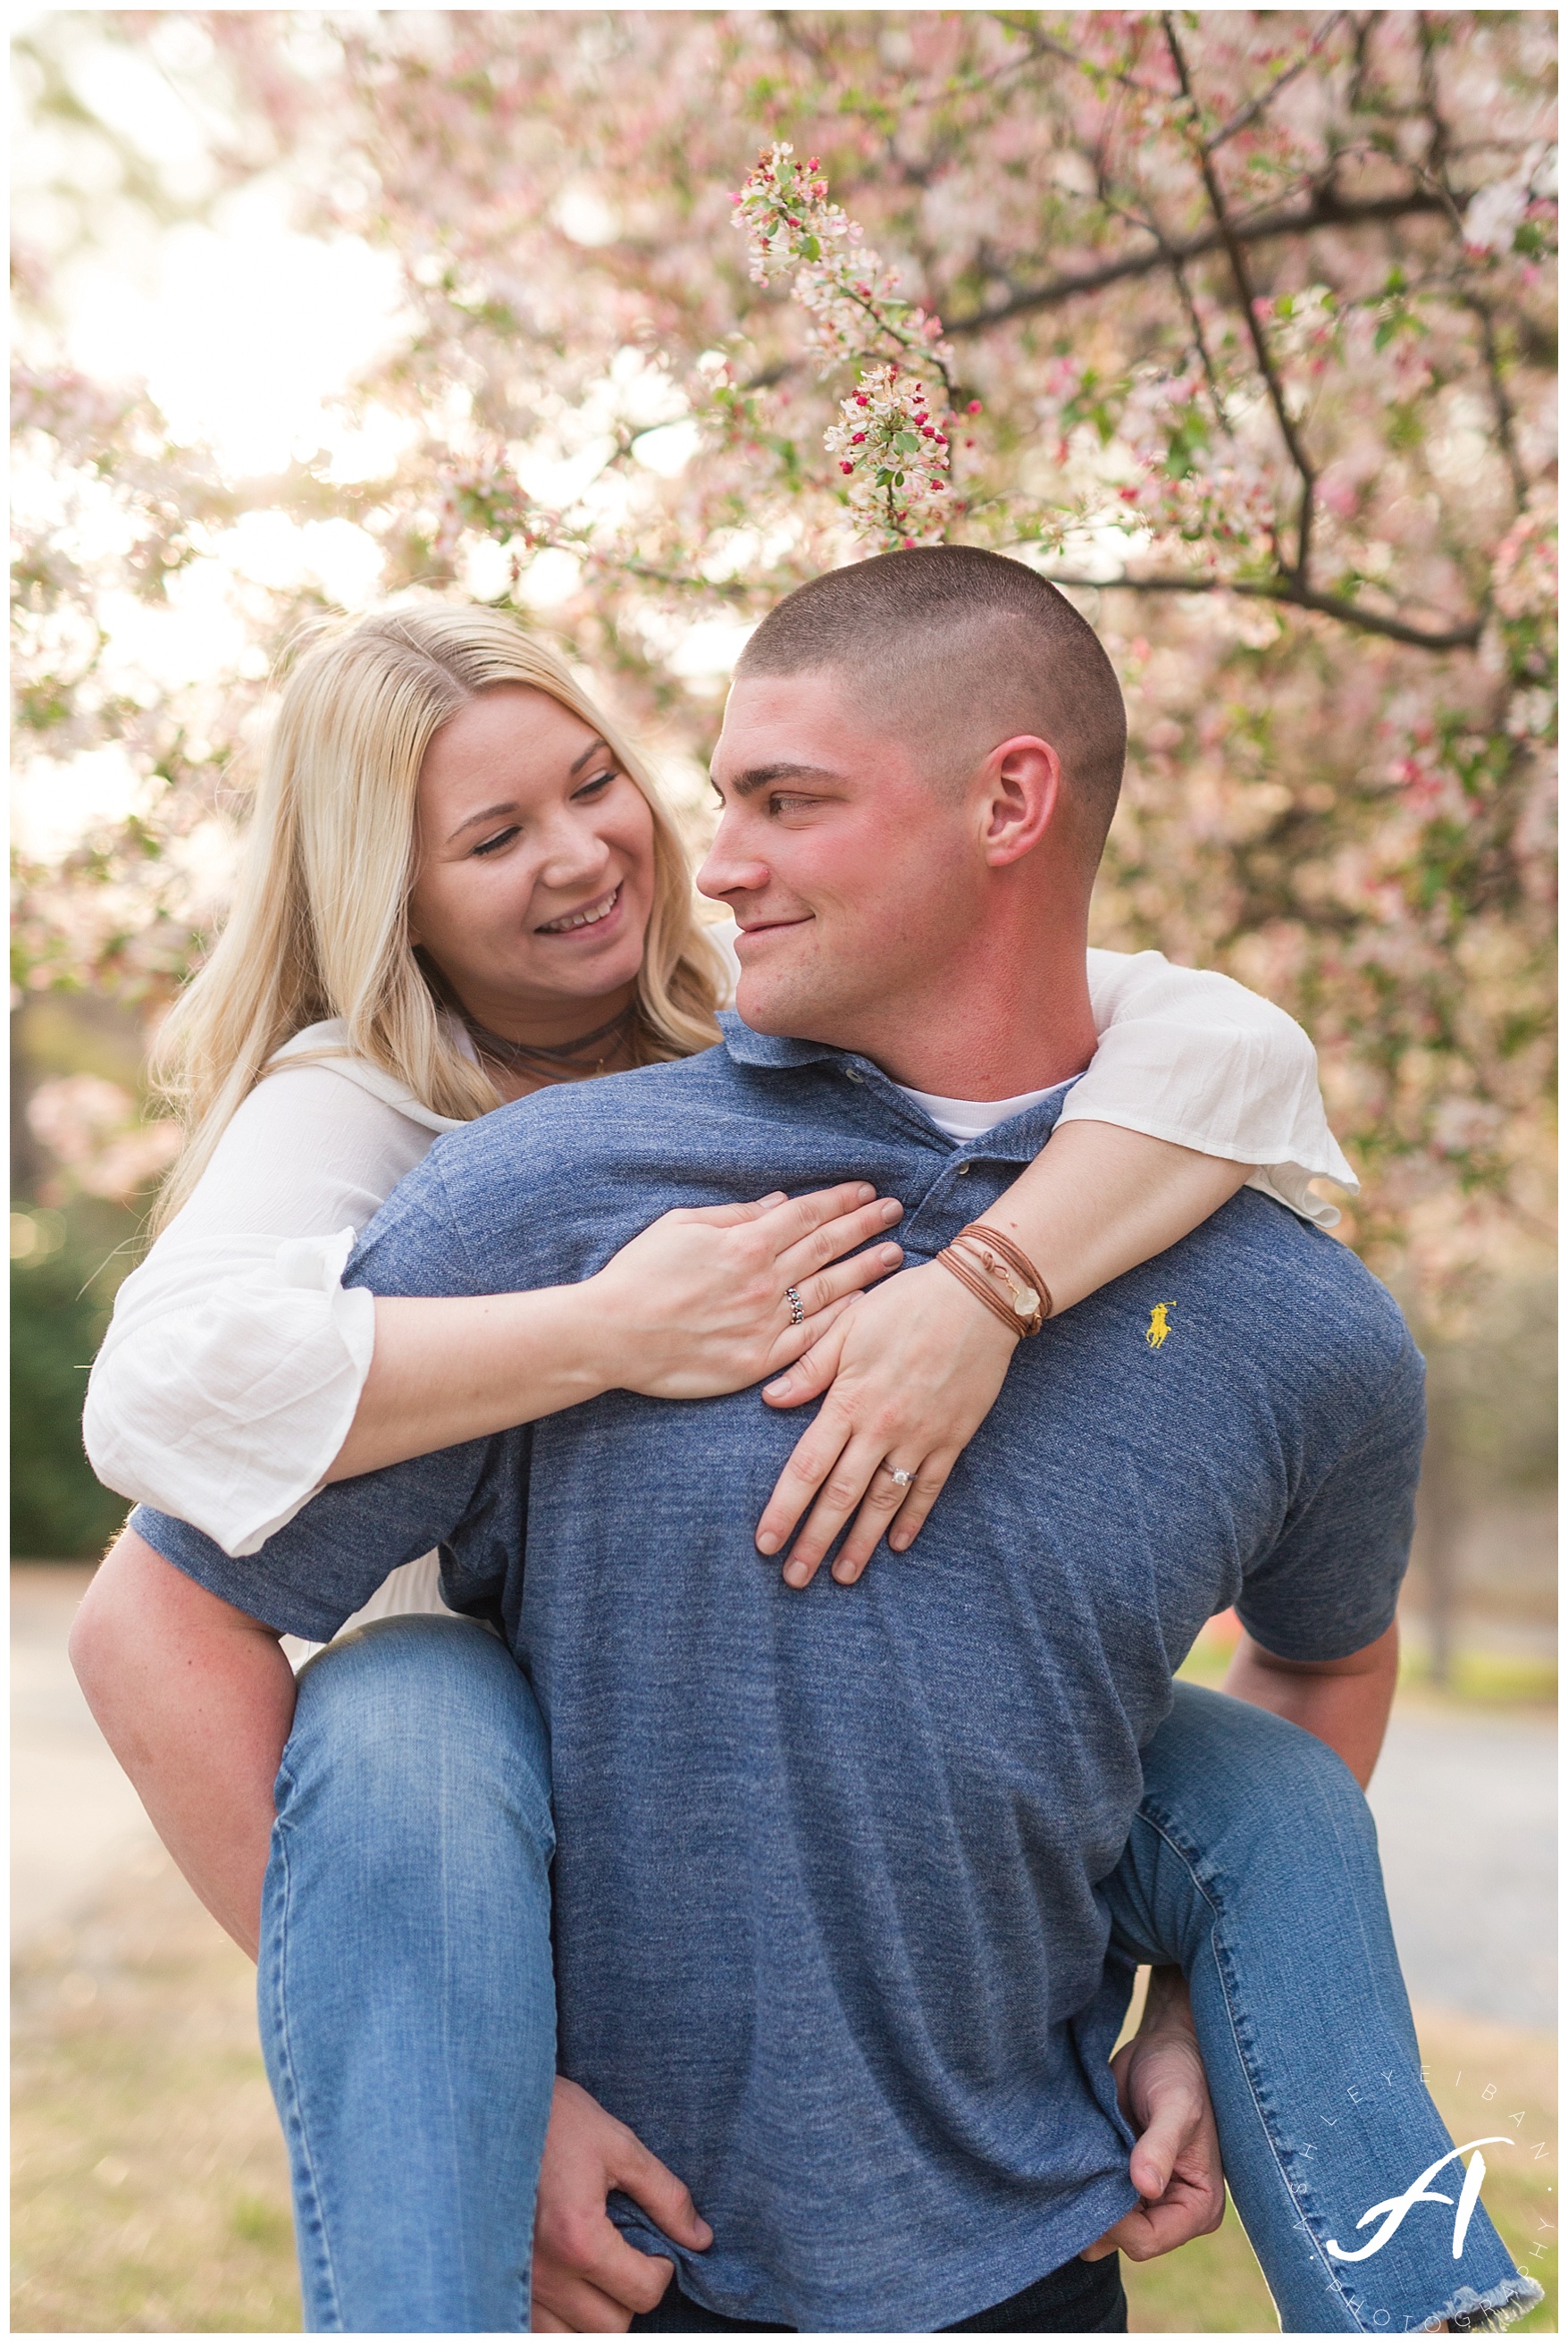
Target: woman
{"x":458,"y":889}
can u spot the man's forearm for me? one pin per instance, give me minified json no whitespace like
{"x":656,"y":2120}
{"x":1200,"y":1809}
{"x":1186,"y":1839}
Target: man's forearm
{"x":1345,"y":1703}
{"x":196,"y":1700}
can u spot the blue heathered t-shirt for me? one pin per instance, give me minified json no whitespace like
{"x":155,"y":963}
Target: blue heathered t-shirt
{"x":827,"y":1931}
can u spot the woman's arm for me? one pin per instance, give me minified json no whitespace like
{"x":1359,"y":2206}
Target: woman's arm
{"x":912,"y":1371}
{"x":694,"y":1306}
{"x":240,"y":1375}
{"x":196,"y":1700}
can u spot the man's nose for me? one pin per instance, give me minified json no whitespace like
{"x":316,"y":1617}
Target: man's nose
{"x":729,"y":868}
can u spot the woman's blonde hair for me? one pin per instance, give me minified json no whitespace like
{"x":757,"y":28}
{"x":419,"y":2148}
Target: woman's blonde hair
{"x":319,"y":923}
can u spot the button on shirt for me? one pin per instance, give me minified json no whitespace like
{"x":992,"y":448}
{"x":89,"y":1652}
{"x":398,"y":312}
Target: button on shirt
{"x":826,"y":1930}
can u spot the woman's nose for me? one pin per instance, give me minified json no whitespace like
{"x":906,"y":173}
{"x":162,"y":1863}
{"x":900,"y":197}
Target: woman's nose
{"x":573,"y":852}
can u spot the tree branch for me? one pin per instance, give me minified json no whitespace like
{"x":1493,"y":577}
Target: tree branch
{"x":1298,"y":596}
{"x":1246,"y":114}
{"x":1325,"y":210}
{"x":1260,"y":339}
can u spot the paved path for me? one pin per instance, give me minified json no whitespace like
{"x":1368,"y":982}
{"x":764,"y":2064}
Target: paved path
{"x":1466,"y":1808}
{"x":1466,"y":1804}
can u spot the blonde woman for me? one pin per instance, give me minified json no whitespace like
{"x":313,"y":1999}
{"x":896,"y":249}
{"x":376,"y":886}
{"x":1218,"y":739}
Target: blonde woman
{"x":461,"y":888}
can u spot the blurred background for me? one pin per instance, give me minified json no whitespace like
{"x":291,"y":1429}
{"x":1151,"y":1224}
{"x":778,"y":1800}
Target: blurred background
{"x":319,"y":309}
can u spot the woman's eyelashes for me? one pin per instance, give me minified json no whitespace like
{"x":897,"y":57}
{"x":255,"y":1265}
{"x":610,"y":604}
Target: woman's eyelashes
{"x":588,"y":794}
{"x":502,"y":838}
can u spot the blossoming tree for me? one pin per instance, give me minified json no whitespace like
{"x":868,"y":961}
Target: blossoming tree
{"x":1238,"y":323}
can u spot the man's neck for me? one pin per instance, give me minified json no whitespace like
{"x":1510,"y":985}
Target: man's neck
{"x":1011,"y":1021}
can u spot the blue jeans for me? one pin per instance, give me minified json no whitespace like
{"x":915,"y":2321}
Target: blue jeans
{"x":407,"y":1997}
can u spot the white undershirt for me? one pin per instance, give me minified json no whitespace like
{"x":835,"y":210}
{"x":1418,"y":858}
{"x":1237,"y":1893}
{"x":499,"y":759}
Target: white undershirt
{"x":967,"y":1118}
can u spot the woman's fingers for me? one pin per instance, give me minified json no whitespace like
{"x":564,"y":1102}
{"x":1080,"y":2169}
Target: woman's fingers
{"x":852,"y":1276}
{"x":804,"y":1244}
{"x":726,"y":1216}
{"x":842,"y":1489}
{"x":930,"y":1482}
{"x":815,"y":1364}
{"x":811,"y":1459}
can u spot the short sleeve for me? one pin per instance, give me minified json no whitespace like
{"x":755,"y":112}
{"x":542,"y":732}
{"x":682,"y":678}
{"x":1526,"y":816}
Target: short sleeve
{"x":1329,"y":1585}
{"x":1192,"y":1057}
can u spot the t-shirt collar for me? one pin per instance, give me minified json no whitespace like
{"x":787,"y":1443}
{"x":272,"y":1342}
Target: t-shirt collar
{"x":1018,"y":1141}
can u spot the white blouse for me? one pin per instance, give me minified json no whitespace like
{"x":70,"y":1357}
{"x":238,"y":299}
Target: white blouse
{"x":236,"y":1356}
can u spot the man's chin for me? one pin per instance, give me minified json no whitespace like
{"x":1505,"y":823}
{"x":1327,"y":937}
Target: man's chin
{"x":777,"y":1001}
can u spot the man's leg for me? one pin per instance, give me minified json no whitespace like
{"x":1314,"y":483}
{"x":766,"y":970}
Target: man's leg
{"x":1254,"y":1865}
{"x":404,"y":1987}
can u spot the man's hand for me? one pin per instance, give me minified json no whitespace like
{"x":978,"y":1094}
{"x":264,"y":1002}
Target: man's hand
{"x":586,"y":2280}
{"x":1175,"y":2165}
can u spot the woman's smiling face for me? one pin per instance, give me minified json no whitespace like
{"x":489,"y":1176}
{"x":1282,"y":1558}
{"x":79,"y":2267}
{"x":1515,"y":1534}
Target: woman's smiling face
{"x":535,"y":874}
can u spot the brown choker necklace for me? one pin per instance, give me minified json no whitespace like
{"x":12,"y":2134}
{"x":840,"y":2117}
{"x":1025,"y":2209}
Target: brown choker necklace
{"x":561,"y":1062}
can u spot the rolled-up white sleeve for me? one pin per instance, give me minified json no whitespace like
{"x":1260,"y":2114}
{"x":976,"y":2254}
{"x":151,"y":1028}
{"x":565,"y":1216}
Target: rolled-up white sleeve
{"x":1195,"y":1058}
{"x":235,"y":1357}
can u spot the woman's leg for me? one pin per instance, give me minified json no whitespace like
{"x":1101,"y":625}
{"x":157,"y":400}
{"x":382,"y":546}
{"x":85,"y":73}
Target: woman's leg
{"x":406,"y":1991}
{"x":1254,"y":1865}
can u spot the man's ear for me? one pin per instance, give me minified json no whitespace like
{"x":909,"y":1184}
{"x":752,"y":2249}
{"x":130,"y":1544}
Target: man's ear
{"x":1020,"y":797}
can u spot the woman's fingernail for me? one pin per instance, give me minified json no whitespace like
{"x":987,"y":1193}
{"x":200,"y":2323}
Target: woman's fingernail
{"x":891,"y":1254}
{"x":845,"y":1572}
{"x":865,"y":1192}
{"x":893,"y":1210}
{"x":795,"y":1573}
{"x":766,"y":1541}
{"x":777,"y":1390}
{"x":776,"y":1197}
{"x":899,"y":1543}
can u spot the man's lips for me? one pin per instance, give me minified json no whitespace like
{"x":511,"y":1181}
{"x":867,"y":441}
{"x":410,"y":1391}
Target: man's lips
{"x":590,"y":915}
{"x":755,"y":931}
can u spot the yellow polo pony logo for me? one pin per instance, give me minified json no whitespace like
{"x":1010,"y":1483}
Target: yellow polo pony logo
{"x":1158,"y":1324}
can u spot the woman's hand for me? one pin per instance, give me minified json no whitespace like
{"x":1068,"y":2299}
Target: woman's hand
{"x":699,"y":1304}
{"x":915,"y":1369}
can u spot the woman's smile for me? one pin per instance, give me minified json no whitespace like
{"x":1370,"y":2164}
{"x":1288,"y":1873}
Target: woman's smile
{"x":592,"y":915}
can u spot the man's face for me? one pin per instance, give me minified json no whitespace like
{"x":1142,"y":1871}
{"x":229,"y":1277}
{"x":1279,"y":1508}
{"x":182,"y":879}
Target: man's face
{"x":850,"y":870}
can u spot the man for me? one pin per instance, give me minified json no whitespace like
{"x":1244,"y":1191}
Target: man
{"x":827,"y":1931}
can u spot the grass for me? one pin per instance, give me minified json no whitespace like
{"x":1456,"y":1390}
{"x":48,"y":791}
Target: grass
{"x":1214,"y":2285}
{"x":150,"y":2189}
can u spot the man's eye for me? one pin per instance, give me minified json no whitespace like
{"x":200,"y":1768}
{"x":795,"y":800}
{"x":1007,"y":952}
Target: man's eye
{"x":596,"y":787}
{"x":784,"y":801}
{"x":494,"y":845}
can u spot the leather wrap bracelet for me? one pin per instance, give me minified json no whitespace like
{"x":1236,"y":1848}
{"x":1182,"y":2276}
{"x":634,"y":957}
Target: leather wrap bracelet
{"x":1028,"y":1304}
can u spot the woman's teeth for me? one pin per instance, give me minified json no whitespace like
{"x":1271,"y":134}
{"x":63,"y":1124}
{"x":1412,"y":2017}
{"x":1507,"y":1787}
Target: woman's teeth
{"x":590,"y":917}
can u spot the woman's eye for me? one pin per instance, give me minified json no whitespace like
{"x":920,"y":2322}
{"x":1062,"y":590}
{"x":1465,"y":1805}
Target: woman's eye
{"x":596,"y":787}
{"x":494,"y":845}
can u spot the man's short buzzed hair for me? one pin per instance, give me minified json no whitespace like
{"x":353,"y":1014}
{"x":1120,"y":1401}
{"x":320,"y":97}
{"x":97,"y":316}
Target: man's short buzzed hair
{"x":962,"y":648}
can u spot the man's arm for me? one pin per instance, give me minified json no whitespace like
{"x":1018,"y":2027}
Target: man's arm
{"x":1345,"y":1703}
{"x":196,"y":1700}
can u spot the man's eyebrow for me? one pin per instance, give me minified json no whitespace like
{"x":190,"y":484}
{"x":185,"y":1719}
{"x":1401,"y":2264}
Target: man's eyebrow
{"x":757,"y":777}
